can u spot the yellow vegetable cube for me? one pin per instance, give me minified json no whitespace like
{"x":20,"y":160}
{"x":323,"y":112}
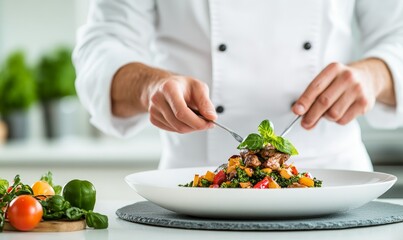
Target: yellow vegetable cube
{"x":249,"y":172}
{"x":234,"y":160}
{"x":209,"y":176}
{"x":285,"y":173}
{"x":196,"y":180}
{"x":273,"y":184}
{"x":245,"y":184}
{"x":306,"y":181}
{"x":267,"y":170}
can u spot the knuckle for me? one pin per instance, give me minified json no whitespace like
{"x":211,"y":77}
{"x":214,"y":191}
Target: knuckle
{"x":364,"y":104}
{"x":349,"y":76}
{"x":304,"y":100}
{"x":333,"y":114}
{"x":155,"y":99}
{"x":358,"y":88}
{"x":179,"y":114}
{"x":336,"y":65}
{"x":168,"y":85}
{"x":324,"y":100}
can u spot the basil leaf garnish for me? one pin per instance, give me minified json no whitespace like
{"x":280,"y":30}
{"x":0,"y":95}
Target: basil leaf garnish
{"x":253,"y":142}
{"x":283,"y":145}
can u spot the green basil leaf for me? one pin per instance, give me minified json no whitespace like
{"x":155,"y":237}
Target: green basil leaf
{"x":74,"y":213}
{"x":48,"y":177}
{"x":266,"y":129}
{"x":283,"y":145}
{"x":253,"y":142}
{"x":3,"y":186}
{"x":96,"y":220}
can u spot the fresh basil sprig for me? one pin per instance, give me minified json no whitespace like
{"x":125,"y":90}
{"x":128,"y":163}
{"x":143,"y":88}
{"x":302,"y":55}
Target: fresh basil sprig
{"x":255,"y":141}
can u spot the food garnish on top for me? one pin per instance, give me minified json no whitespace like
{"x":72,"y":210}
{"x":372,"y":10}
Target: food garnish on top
{"x":261,"y":164}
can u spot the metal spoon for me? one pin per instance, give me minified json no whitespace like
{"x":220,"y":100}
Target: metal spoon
{"x":287,"y":129}
{"x":235,"y":135}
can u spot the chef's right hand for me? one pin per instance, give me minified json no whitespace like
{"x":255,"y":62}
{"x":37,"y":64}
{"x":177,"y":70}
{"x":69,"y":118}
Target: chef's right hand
{"x":138,"y":88}
{"x":170,"y":100}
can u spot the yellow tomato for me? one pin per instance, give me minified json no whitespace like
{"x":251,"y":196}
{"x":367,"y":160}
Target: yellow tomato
{"x":42,"y":188}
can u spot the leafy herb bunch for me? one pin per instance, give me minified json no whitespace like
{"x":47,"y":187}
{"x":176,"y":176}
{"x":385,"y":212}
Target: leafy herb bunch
{"x":256,"y":141}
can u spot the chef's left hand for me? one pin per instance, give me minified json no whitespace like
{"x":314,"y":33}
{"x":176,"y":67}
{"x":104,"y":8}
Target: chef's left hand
{"x":341,"y":92}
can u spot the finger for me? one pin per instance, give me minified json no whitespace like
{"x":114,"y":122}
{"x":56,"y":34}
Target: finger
{"x":340,"y":107}
{"x":158,"y":120}
{"x":173,"y":121}
{"x":354,"y":111}
{"x":315,"y":88}
{"x":159,"y":108}
{"x":175,"y":99}
{"x":200,"y":95}
{"x":325,"y":101}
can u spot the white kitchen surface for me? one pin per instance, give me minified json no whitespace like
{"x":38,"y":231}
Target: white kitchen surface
{"x":120,"y":229}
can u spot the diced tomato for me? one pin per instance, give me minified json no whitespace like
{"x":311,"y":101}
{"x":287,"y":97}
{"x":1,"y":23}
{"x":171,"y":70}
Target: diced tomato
{"x":219,"y":178}
{"x":307,"y":174}
{"x":294,"y":170}
{"x":9,"y":189}
{"x":264,"y":183}
{"x":214,"y":186}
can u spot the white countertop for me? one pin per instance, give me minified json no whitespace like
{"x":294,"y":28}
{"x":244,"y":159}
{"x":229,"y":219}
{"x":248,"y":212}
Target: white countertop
{"x":120,"y":229}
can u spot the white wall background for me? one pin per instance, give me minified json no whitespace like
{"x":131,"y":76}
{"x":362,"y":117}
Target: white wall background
{"x":38,"y":26}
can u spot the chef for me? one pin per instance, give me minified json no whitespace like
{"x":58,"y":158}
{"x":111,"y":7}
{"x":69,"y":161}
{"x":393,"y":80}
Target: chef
{"x":240,"y":62}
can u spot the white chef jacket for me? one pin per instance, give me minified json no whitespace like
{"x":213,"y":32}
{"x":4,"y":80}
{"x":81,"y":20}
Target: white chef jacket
{"x":257,"y":57}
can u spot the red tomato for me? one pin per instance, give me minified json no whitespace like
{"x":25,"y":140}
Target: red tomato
{"x":262,"y":184}
{"x":219,"y":178}
{"x":294,"y":170}
{"x":24,"y":212}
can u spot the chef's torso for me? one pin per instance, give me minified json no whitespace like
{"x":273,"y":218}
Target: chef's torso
{"x":257,"y":58}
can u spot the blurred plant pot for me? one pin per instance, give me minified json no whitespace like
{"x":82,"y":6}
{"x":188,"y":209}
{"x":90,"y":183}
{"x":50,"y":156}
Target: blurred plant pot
{"x":17,"y":125}
{"x":3,"y":132}
{"x":65,"y":117}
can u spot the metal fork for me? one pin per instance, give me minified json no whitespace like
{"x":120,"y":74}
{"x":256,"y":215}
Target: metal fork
{"x":234,"y":134}
{"x":287,"y":129}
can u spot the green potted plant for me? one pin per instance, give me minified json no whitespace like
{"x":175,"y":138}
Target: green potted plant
{"x":55,"y":76}
{"x":18,"y":93}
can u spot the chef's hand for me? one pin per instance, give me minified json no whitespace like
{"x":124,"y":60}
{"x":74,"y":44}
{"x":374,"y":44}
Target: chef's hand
{"x":137,"y":88}
{"x":340,"y":92}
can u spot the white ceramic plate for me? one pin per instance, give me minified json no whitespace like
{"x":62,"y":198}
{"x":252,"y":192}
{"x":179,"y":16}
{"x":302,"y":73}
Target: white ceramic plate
{"x":341,"y":191}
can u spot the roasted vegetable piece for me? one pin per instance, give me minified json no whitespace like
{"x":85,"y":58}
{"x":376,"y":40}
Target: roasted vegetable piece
{"x":306,"y":181}
{"x":264,"y":183}
{"x":209,"y":176}
{"x":219,"y":178}
{"x":273,"y":184}
{"x":285,"y":173}
{"x":196,"y":180}
{"x":80,"y":193}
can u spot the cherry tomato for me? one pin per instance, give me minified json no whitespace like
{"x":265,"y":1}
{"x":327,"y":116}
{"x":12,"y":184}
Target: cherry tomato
{"x":24,"y":212}
{"x":42,"y":188}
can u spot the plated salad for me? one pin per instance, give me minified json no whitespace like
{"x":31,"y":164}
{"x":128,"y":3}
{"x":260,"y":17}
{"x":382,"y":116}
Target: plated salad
{"x":260,"y":164}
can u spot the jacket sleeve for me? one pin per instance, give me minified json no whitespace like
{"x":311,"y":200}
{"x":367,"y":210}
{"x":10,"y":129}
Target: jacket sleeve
{"x":381,"y":25}
{"x":117,"y":32}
